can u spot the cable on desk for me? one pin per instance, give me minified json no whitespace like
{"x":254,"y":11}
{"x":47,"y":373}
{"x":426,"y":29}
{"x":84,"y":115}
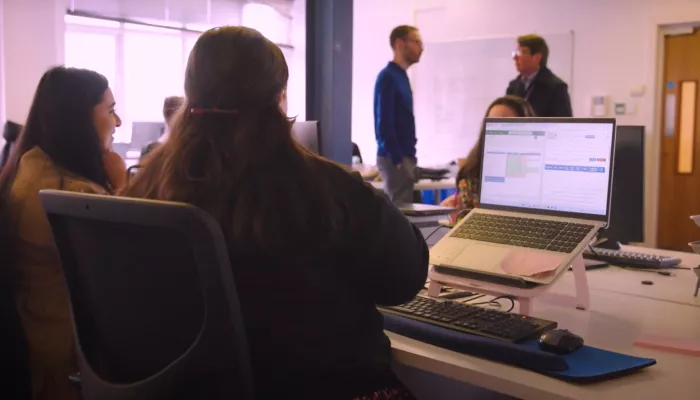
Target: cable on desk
{"x":463,"y":213}
{"x":435,"y":231}
{"x":595,"y":253}
{"x":494,"y":302}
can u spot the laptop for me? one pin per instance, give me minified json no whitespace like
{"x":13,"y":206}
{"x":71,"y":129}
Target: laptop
{"x":424,"y":210}
{"x":544,"y":194}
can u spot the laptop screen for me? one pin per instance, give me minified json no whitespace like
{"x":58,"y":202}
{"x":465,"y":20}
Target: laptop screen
{"x":553,"y":166}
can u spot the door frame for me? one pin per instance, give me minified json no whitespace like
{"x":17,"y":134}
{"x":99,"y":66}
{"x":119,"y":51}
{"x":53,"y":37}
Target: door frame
{"x":652,"y":157}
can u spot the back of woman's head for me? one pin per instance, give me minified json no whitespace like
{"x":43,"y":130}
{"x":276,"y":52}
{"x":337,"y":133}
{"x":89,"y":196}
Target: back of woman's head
{"x":60,"y":123}
{"x":517,"y":106}
{"x":170,"y":105}
{"x":230,"y":149}
{"x":506,"y":107}
{"x":11,"y":131}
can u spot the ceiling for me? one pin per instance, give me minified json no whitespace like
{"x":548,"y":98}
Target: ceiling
{"x":208,"y":12}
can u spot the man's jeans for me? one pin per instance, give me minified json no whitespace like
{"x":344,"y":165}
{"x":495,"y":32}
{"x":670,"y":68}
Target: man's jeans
{"x":398,"y":182}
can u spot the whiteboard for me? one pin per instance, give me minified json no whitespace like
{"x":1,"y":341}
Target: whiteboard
{"x":456,"y":81}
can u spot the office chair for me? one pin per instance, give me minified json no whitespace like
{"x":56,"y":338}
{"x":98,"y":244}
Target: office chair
{"x":153,"y":299}
{"x":14,"y":354}
{"x":131,"y":171}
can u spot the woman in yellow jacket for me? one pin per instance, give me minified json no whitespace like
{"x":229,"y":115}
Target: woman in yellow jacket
{"x":65,"y":144}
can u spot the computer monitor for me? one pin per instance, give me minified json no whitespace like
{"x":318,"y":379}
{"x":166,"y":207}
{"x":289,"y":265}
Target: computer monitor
{"x":627,"y":209}
{"x":306,"y":133}
{"x":550,"y":166}
{"x":143,"y":133}
{"x":120,"y":148}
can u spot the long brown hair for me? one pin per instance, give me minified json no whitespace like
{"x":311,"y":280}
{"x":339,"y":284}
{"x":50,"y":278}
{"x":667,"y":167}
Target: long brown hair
{"x":231,"y":152}
{"x":472,"y":164}
{"x":60,"y":123}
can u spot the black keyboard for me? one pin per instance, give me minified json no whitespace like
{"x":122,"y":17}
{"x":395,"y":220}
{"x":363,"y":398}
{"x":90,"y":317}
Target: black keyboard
{"x":631,"y":259}
{"x":470,"y":319}
{"x":534,"y":233}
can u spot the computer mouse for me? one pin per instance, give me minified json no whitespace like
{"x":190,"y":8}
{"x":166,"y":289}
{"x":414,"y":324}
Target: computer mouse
{"x":560,"y":341}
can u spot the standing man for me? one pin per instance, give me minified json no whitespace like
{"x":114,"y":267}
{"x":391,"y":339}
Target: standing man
{"x":394,"y":124}
{"x":548,"y":95}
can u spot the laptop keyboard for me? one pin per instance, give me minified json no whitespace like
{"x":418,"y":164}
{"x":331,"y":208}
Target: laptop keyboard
{"x":541,"y":234}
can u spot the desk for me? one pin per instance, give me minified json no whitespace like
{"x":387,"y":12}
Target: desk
{"x":676,"y":289}
{"x":622,"y":309}
{"x":426,"y":184}
{"x":613,"y":322}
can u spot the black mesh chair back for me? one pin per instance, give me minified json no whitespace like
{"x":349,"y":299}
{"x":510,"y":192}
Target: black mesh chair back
{"x":153,"y":299}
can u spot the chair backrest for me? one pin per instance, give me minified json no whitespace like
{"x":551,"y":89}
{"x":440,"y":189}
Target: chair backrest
{"x":153,"y":299}
{"x":307,"y":134}
{"x":14,"y":355}
{"x":131,"y":171}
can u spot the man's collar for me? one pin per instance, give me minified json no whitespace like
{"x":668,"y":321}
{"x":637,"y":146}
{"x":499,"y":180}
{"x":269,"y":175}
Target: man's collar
{"x":531,"y":76}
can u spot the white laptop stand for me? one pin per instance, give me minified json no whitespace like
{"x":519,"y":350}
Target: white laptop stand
{"x":524,"y":296}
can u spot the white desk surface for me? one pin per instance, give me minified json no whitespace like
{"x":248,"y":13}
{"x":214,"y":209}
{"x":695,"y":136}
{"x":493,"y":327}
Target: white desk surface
{"x":677,"y":289}
{"x":613,"y":322}
{"x":425,"y":184}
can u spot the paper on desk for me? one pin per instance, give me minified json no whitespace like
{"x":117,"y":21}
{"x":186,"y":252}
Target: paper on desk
{"x":525,"y":262}
{"x":687,"y":346}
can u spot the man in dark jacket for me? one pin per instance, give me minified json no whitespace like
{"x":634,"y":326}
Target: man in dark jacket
{"x":548,"y":95}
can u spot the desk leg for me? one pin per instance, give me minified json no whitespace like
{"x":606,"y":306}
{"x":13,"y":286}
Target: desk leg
{"x":434,"y":289}
{"x":436,"y":197}
{"x":525,"y":305}
{"x":583,"y":295}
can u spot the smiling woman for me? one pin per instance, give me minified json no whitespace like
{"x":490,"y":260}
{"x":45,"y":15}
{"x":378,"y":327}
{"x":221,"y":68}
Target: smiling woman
{"x":64,"y":145}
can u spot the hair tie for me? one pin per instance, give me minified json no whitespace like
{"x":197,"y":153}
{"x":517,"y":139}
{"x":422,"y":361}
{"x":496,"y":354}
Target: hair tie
{"x":201,"y":111}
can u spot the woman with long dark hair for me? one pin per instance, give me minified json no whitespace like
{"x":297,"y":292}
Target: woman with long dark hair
{"x":469,"y":175}
{"x":324,"y":242}
{"x":66,"y":145}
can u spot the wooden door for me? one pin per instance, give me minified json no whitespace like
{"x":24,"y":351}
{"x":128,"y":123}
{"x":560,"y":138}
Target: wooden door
{"x":679,"y":196}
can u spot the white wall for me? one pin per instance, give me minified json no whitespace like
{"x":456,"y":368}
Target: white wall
{"x":2,"y":74}
{"x":616,"y":48}
{"x":33,"y":42}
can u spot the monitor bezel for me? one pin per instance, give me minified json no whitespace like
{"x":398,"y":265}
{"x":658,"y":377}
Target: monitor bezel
{"x":566,"y":214}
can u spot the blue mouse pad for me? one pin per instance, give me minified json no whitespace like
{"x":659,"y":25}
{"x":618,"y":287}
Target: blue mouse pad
{"x":591,"y":364}
{"x":587,"y":364}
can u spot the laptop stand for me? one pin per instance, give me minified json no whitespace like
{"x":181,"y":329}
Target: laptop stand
{"x":524,"y":297}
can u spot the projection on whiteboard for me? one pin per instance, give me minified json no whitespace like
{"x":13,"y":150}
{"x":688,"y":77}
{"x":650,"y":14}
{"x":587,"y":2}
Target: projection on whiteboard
{"x":456,"y":81}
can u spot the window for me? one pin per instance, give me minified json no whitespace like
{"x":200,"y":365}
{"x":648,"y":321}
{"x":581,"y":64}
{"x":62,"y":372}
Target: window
{"x":268,"y":21}
{"x":686,"y":130}
{"x":189,"y":45}
{"x":145,"y":64}
{"x":153,"y":70}
{"x":93,"y":51}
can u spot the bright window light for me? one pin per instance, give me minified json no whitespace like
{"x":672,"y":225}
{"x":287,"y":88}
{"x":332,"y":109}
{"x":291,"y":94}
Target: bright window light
{"x":153,"y":29}
{"x":198,"y":27}
{"x":266,"y":20}
{"x":103,"y":23}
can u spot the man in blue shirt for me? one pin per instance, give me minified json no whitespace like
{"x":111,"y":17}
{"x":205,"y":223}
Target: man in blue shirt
{"x":394,"y":124}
